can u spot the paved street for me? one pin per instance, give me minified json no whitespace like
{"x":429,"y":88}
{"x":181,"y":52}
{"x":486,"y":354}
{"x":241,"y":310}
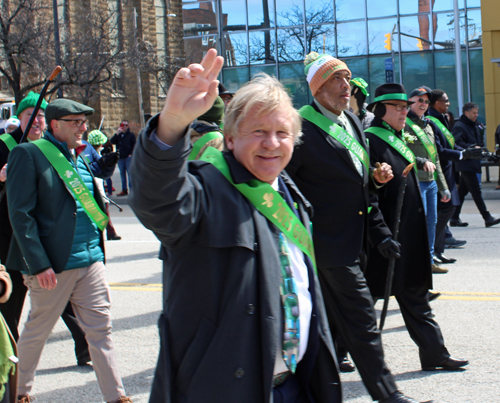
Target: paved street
{"x":468,"y":314}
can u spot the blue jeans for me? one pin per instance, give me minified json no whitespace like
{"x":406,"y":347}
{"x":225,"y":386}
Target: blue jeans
{"x":429,"y":191}
{"x":124,"y":166}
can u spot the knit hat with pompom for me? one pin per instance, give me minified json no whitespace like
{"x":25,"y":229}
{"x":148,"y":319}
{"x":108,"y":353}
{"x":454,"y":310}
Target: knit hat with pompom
{"x":319,"y":68}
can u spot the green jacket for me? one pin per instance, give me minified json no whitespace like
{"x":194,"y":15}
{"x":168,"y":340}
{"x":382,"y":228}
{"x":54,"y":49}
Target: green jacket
{"x":43,"y":211}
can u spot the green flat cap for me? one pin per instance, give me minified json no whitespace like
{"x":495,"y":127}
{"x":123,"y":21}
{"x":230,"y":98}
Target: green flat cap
{"x":63,"y":107}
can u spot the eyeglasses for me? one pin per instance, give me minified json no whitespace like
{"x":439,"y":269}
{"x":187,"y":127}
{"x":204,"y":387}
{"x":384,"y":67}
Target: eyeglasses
{"x":424,"y":101}
{"x":446,"y":101}
{"x":399,"y":107}
{"x":76,"y":122}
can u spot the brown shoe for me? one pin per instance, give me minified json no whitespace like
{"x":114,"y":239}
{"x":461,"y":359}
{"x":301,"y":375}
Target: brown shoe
{"x":439,"y":269}
{"x":123,"y":399}
{"x":123,"y":193}
{"x":25,"y":399}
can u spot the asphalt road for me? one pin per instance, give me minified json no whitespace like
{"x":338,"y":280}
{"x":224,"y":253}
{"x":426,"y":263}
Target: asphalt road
{"x":467,"y":312}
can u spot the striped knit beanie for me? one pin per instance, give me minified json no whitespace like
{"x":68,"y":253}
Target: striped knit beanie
{"x":319,"y":68}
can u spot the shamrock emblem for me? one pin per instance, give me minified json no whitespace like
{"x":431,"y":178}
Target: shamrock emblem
{"x":332,"y":128}
{"x":391,"y":138}
{"x":68,"y":174}
{"x":268,"y":199}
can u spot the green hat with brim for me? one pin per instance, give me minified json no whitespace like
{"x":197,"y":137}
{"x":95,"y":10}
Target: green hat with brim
{"x":30,"y":102}
{"x":63,"y":107}
{"x":361,"y":84}
{"x":97,"y":138}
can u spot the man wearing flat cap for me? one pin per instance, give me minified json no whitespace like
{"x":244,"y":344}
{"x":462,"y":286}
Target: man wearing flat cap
{"x":57,"y":223}
{"x":412,"y":272}
{"x":332,"y":169}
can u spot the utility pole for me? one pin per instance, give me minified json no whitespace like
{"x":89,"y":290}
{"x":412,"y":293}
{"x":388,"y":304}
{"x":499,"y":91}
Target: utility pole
{"x":57,"y":41}
{"x":458,"y":57}
{"x":138,"y":74}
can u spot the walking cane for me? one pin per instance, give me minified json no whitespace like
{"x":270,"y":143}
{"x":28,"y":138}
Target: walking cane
{"x":120,"y":209}
{"x":395,"y":233}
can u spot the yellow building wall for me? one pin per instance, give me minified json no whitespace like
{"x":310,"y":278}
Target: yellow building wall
{"x":490,"y":11}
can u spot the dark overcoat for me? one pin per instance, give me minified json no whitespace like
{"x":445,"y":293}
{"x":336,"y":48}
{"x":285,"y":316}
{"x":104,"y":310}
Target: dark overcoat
{"x":413,"y":269}
{"x":340,"y":198}
{"x":221,"y":325}
{"x":466,"y":135}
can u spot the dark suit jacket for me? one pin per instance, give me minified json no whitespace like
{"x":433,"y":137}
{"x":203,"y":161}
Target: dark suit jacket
{"x":42,"y":211}
{"x":467,"y":134}
{"x":324,"y":171}
{"x":221,"y":322}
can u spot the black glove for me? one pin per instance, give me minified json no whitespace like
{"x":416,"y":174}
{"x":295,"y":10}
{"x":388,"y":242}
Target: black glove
{"x":389,"y":247}
{"x":108,"y":161}
{"x":494,"y":158}
{"x":472,"y":153}
{"x":106,"y":150}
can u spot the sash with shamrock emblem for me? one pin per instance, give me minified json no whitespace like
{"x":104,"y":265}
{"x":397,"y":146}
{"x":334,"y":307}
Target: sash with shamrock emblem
{"x":198,"y":144}
{"x":444,"y":130}
{"x":269,"y":202}
{"x":395,"y":142}
{"x":337,"y":132}
{"x":426,"y":141}
{"x":8,"y":140}
{"x":73,"y":182}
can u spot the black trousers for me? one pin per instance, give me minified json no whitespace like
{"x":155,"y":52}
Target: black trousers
{"x":470,"y":183}
{"x":289,"y":392}
{"x":444,"y":215}
{"x":13,"y":308}
{"x":349,"y":306}
{"x":424,"y":331}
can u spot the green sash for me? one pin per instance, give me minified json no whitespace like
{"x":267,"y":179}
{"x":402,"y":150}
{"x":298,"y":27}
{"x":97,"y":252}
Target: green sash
{"x":444,"y":130}
{"x":426,"y":141}
{"x":269,"y":203}
{"x":8,"y":140}
{"x":395,"y":142}
{"x":337,"y":132}
{"x":198,"y":144}
{"x":74,"y":182}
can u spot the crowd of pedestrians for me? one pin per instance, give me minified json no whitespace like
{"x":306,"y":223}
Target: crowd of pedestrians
{"x":278,"y":230}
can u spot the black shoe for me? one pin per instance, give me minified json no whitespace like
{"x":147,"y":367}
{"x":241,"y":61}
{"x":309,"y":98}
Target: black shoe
{"x":453,"y":243}
{"x":114,"y":237}
{"x":443,"y":259}
{"x":84,"y":360}
{"x":346,"y":366}
{"x":458,"y":223}
{"x":450,"y":364}
{"x":490,"y":221}
{"x":434,"y":295}
{"x":398,"y":397}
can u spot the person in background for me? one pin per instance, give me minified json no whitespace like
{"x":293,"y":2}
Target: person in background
{"x":357,"y":103}
{"x":125,"y":141}
{"x":12,"y":124}
{"x":8,"y":348}
{"x":225,"y":94}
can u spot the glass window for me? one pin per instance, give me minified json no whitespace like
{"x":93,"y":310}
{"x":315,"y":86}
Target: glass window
{"x":384,"y":8}
{"x":477,"y":81}
{"x":350,"y":9}
{"x":415,"y":33}
{"x":472,"y":3}
{"x":445,"y":76}
{"x":291,"y":45}
{"x":377,"y":36}
{"x":293,"y":78}
{"x":319,"y":11}
{"x":262,"y":46}
{"x":199,"y":19}
{"x":358,"y":67}
{"x":235,"y":49}
{"x":418,"y":70}
{"x":290,"y":12}
{"x":376,"y":74}
{"x":269,"y":70}
{"x":444,"y":38}
{"x":196,"y":48}
{"x":260,"y":13}
{"x":443,"y":5}
{"x":474,"y":28}
{"x":234,"y":79}
{"x":321,"y":39}
{"x":234,"y":16}
{"x":351,"y":39}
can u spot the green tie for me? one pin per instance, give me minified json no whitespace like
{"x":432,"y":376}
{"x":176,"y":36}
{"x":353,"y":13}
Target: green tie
{"x":288,"y":291}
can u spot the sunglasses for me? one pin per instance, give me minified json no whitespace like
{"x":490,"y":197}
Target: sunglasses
{"x":424,"y":101}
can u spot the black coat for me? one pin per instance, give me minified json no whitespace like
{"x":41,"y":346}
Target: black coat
{"x":447,"y":156}
{"x":323,"y":170}
{"x":221,"y":323}
{"x":5,"y":227}
{"x":125,"y":143}
{"x":413,"y":269}
{"x":467,"y":134}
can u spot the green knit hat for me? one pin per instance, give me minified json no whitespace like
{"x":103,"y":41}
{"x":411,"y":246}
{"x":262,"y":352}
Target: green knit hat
{"x":97,"y":138}
{"x":30,"y":102}
{"x":216,"y":113}
{"x":361,"y":84}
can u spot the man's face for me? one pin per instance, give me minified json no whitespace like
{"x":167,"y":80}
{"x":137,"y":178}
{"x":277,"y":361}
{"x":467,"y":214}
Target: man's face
{"x":226,"y":98}
{"x":472,"y":114}
{"x":66,"y":130}
{"x":264,"y":143}
{"x":10,"y":128}
{"x":334,"y":95}
{"x":442,"y":104}
{"x":38,"y":125}
{"x":394,"y":118}
{"x":421,"y":104}
{"x":124,"y":125}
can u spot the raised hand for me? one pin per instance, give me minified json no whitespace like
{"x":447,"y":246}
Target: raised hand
{"x":191,"y":94}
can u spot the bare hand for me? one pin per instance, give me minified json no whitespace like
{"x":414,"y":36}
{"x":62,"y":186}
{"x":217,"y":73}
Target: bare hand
{"x":3,"y":173}
{"x":47,"y":279}
{"x":383,"y":173}
{"x":429,"y":167}
{"x":191,"y":94}
{"x":445,"y":199}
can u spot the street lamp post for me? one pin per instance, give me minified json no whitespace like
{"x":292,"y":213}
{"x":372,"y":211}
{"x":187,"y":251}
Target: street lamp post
{"x":57,"y":41}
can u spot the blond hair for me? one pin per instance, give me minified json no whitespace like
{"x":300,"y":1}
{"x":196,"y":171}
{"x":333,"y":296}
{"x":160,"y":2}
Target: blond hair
{"x":265,"y":93}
